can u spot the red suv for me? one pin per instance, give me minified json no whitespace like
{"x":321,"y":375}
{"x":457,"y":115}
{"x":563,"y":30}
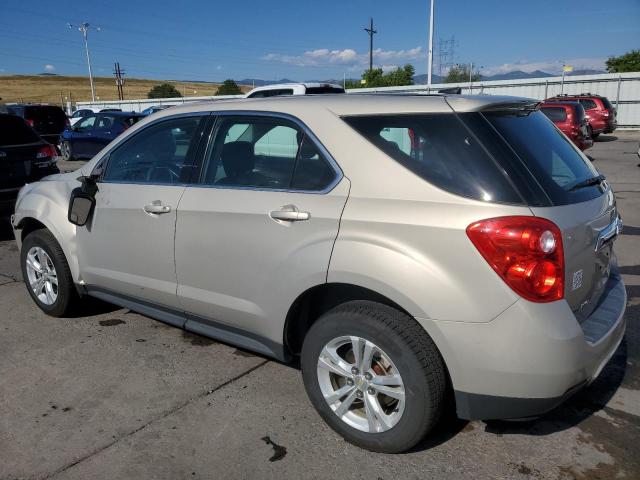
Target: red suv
{"x":600,"y":113}
{"x":570,"y":118}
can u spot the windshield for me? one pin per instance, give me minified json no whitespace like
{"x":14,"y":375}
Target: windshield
{"x":550,"y":157}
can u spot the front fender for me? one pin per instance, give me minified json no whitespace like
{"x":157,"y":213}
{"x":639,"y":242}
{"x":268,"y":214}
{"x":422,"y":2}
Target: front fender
{"x":48,"y":203}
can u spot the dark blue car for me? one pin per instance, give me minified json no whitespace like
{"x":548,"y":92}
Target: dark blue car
{"x":91,"y":134}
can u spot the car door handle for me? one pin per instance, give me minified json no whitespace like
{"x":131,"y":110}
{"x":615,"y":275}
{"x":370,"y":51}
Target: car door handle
{"x":157,"y":207}
{"x":289,"y":213}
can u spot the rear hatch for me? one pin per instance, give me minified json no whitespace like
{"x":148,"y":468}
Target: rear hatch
{"x":579,"y":201}
{"x":19,"y":147}
{"x":49,"y":121}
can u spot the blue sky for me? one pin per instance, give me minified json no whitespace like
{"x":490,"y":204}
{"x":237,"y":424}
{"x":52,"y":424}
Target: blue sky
{"x":303,"y":40}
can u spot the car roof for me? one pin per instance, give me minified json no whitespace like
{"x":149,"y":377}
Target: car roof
{"x":560,"y":103}
{"x":120,"y":114}
{"x":357,"y":104}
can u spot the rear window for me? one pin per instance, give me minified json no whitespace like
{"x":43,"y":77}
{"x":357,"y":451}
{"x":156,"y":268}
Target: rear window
{"x":317,"y":90}
{"x":14,"y":131}
{"x":46,"y":114}
{"x":272,"y":93}
{"x":555,"y":114}
{"x":441,"y":150}
{"x":588,"y":104}
{"x":550,"y":157}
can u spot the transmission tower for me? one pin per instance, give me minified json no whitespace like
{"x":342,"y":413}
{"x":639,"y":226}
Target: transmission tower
{"x":446,"y":54}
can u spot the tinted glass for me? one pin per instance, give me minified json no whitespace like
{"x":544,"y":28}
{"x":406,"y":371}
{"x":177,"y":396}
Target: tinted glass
{"x":272,"y":93}
{"x":552,"y":159}
{"x":253,"y":152}
{"x":163,"y":153}
{"x":588,"y":104}
{"x":15,"y":131}
{"x":607,"y":104}
{"x":441,"y":150}
{"x":312,"y":171}
{"x":316,"y":90}
{"x":85,"y":124}
{"x":105,"y":122}
{"x":555,"y":114}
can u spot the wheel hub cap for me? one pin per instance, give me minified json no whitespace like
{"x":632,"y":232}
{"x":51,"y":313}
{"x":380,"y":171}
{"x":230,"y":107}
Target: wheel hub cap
{"x":42,"y":275}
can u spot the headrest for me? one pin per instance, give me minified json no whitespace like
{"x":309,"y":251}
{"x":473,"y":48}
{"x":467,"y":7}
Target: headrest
{"x":238,"y":158}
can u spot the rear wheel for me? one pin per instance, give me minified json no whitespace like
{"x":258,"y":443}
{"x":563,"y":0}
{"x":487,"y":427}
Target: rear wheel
{"x":374,"y":375}
{"x":46,"y":274}
{"x":66,"y":150}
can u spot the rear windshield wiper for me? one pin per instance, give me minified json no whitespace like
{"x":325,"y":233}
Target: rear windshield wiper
{"x":588,"y":183}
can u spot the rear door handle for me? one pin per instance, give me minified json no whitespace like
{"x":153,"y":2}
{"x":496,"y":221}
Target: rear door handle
{"x":157,"y":207}
{"x":289,"y":213}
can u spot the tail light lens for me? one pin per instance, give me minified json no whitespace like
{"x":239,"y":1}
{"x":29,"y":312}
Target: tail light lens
{"x":47,"y":151}
{"x":605,"y":113}
{"x":526,"y":252}
{"x":29,"y":122}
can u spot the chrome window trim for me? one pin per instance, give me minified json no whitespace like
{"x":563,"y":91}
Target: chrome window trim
{"x":339,"y":175}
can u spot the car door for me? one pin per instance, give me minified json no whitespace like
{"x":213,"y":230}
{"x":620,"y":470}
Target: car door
{"x":128,"y":246}
{"x":80,"y":137}
{"x":104,"y":132}
{"x":258,"y":228}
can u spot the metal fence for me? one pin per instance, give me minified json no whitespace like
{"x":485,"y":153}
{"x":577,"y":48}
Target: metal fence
{"x":622,"y":89}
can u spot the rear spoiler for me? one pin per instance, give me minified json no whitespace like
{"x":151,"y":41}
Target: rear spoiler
{"x":524,"y":106}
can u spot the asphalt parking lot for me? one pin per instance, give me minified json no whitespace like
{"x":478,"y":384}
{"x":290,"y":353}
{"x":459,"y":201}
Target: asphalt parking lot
{"x":116,"y":395}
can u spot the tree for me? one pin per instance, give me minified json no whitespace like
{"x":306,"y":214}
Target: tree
{"x":377,"y":78}
{"x":460,"y":74}
{"x":166,"y":90}
{"x":229,"y":87}
{"x":629,"y":62}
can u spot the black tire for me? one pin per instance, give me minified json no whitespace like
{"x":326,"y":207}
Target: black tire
{"x":66,"y":151}
{"x":412,"y":351}
{"x":67,"y":294}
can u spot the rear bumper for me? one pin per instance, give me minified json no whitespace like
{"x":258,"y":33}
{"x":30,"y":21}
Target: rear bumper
{"x":611,"y":126}
{"x":530,"y":358}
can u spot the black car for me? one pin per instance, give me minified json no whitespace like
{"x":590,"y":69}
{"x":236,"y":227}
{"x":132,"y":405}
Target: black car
{"x":47,"y":120}
{"x":24,"y":158}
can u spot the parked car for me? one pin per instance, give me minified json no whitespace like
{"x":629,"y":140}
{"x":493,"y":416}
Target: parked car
{"x":24,"y":157}
{"x":473,"y":262}
{"x":47,"y":120}
{"x":95,"y":131}
{"x":154,"y":109}
{"x":600,"y":112}
{"x":570,"y":118}
{"x":283,"y":89}
{"x":78,"y":115}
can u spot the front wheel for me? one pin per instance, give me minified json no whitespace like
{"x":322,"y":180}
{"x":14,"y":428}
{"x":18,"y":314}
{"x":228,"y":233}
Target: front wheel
{"x":46,"y":273}
{"x":374,"y":375}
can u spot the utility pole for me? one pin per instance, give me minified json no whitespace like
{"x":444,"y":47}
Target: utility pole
{"x":430,"y":52}
{"x":371,"y":33}
{"x":119,"y":80}
{"x":470,"y":76}
{"x":84,"y":29}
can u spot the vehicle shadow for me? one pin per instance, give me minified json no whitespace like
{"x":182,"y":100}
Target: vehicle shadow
{"x":6,"y":233}
{"x":605,"y":138}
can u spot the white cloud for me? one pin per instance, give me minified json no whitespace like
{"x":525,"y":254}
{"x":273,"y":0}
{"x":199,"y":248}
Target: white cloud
{"x":348,"y":57}
{"x":549,"y":66}
{"x":49,"y":68}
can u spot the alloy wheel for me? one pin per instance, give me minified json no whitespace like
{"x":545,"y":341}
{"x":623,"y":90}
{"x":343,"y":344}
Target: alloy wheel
{"x":42,"y":275}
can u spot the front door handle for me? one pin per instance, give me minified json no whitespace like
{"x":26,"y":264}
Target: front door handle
{"x":157,"y":207}
{"x":289,"y":213}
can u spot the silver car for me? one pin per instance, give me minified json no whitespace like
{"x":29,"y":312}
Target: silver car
{"x":409,"y":250}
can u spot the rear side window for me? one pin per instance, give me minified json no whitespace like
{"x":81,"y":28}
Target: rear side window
{"x":441,"y":150}
{"x":15,"y":131}
{"x":317,"y":90}
{"x":588,"y":104}
{"x":272,"y":93}
{"x":607,"y":104}
{"x":555,"y":114}
{"x":550,"y":157}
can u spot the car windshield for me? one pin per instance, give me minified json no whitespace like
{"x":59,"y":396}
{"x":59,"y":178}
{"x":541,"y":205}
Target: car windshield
{"x":15,"y":131}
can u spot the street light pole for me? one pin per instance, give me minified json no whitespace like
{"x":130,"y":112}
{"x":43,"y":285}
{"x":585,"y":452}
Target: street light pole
{"x":430,"y":52}
{"x":84,"y":29}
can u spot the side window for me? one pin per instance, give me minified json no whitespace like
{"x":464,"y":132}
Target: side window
{"x":588,"y":104}
{"x":104,"y":122}
{"x":312,"y":172}
{"x":266,"y":153}
{"x":162,"y":153}
{"x":398,"y":138}
{"x":253,"y":152}
{"x":86,"y":124}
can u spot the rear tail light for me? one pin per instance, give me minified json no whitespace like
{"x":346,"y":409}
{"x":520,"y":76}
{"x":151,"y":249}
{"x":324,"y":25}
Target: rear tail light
{"x":526,"y":252}
{"x":29,"y":122}
{"x":605,"y":113}
{"x":47,"y":151}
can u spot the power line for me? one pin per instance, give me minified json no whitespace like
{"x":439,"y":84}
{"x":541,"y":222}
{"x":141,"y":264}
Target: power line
{"x":119,"y":80}
{"x":371,"y":33}
{"x":84,"y":29}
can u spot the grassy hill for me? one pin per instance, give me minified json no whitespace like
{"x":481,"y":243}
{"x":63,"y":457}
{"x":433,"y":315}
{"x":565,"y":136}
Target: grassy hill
{"x":47,"y":88}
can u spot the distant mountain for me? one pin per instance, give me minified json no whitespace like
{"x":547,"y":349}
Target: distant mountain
{"x":586,"y":72}
{"x":261,"y":83}
{"x":48,"y":74}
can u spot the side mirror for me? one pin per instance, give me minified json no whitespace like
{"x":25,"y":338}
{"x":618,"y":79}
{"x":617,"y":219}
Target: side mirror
{"x":82,"y":201}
